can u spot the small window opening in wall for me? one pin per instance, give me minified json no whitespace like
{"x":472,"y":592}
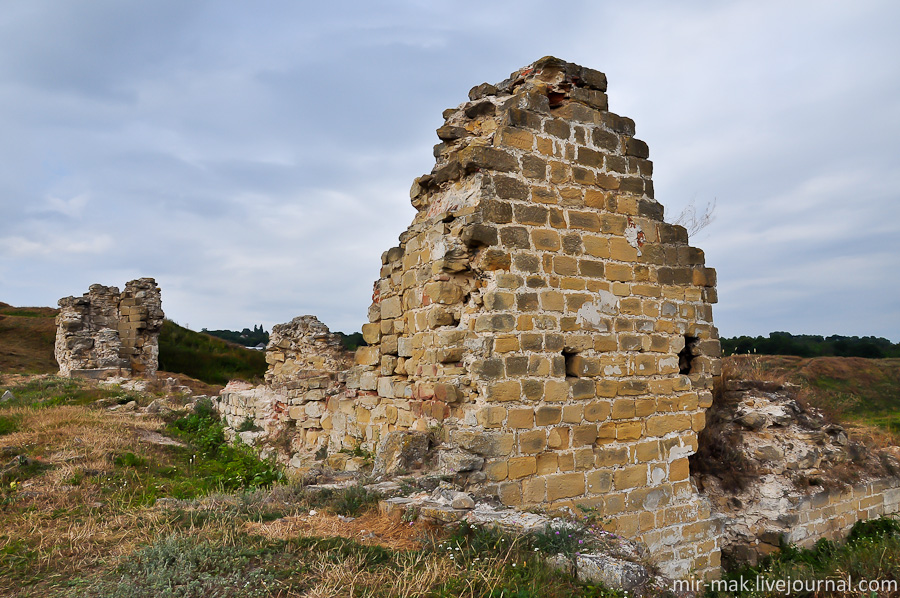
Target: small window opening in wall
{"x":569,"y":356}
{"x":686,"y":355}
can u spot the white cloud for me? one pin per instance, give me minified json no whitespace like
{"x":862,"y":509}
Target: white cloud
{"x":64,"y":249}
{"x":72,"y":207}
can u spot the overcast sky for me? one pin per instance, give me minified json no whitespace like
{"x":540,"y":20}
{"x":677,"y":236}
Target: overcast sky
{"x":255,"y":157}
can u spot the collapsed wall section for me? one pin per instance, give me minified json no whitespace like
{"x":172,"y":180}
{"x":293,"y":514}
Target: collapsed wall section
{"x":544,"y":321}
{"x":554,"y":337}
{"x":107,"y":333}
{"x":782,"y":474}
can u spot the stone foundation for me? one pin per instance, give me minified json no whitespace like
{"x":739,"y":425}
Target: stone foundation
{"x":831,"y":514}
{"x":790,"y":475}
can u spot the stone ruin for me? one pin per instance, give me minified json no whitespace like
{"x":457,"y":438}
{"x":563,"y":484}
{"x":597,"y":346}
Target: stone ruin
{"x":105,"y":333}
{"x":540,"y":335}
{"x":783,"y":474}
{"x":539,"y":318}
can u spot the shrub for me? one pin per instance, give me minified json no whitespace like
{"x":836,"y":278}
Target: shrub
{"x":179,"y":567}
{"x":351,"y":501}
{"x":232,"y":466}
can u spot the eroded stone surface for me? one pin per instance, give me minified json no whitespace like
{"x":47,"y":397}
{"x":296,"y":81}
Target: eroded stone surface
{"x":539,"y":319}
{"x":107,"y":333}
{"x":803,"y":477}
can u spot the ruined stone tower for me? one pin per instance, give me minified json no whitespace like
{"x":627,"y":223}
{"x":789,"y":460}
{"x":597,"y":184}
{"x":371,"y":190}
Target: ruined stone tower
{"x":108,"y":333}
{"x":541,"y":313}
{"x":538,"y":318}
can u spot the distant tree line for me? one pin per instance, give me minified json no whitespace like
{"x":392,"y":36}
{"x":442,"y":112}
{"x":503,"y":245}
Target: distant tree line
{"x":251,"y":338}
{"x":246,"y":337}
{"x":811,"y":345}
{"x":353,"y":341}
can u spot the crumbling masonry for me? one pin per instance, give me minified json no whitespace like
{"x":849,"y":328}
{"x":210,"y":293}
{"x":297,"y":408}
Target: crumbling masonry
{"x":541,"y":312}
{"x":538,"y":318}
{"x":107,"y":333}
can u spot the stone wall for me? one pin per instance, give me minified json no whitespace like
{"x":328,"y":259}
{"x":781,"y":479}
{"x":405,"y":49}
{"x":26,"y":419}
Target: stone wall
{"x":807,"y":518}
{"x":553,"y":336}
{"x":108,"y":333}
{"x":307,"y":369}
{"x":831,"y":514}
{"x":544,"y":320}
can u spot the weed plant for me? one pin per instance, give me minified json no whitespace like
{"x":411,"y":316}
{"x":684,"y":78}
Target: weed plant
{"x":351,"y":502}
{"x":519,"y":561}
{"x":179,"y":566}
{"x":229,"y":466}
{"x":568,"y":541}
{"x":54,"y":391}
{"x":248,"y":425}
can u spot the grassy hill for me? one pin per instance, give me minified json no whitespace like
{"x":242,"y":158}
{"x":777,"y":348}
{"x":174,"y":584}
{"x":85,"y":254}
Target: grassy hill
{"x":207,"y":358}
{"x":27,"y":335}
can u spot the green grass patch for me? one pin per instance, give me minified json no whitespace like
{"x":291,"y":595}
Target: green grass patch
{"x":52,"y":391}
{"x":338,"y":549}
{"x":520,"y":560}
{"x":871,"y":553}
{"x":476,"y":562}
{"x":19,"y":470}
{"x":179,"y":566}
{"x":8,"y":424}
{"x":16,"y":556}
{"x":229,"y":466}
{"x":207,"y":358}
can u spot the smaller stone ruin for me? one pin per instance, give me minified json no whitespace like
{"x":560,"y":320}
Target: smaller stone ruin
{"x":106,"y":333}
{"x":306,"y":369}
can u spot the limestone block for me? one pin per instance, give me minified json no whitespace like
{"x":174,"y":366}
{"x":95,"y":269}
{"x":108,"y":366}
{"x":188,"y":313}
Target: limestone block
{"x":565,"y":485}
{"x":401,"y":450}
{"x":487,"y":444}
{"x":614,"y":573}
{"x":368,"y":355}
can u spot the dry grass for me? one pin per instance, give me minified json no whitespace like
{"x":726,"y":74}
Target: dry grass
{"x":78,"y":435}
{"x":757,"y":368}
{"x":57,"y":530}
{"x":371,"y":528}
{"x":416,"y":575}
{"x":67,"y":526}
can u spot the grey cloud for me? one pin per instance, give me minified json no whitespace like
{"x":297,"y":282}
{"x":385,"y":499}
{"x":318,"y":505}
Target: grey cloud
{"x":256,"y":160}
